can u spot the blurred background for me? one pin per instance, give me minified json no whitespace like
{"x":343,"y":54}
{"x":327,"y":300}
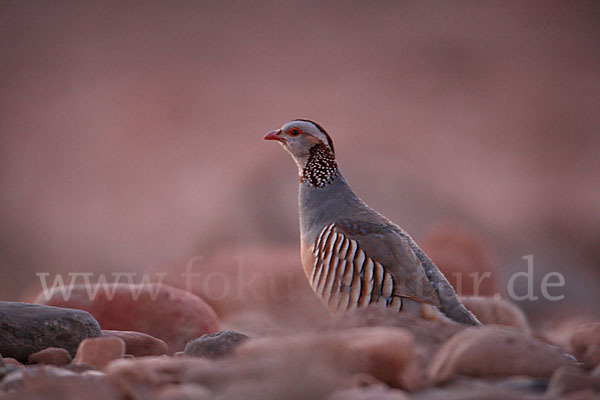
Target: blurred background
{"x":131,"y":134}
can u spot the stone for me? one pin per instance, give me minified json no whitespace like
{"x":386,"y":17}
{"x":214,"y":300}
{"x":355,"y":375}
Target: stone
{"x":215,"y":345}
{"x":386,"y":353}
{"x":558,"y":329}
{"x":585,"y":344}
{"x":98,"y":352}
{"x":139,"y":344}
{"x":17,"y":378}
{"x":481,"y":392}
{"x":79,"y":368}
{"x":571,"y":379}
{"x":11,"y":361}
{"x":310,"y":365}
{"x":162,"y":311}
{"x":368,"y":393}
{"x":491,"y":311}
{"x":184,"y":391}
{"x":135,"y":378}
{"x":522,"y":384}
{"x":5,"y":371}
{"x":587,"y":394}
{"x":50,"y":383}
{"x":494,"y":351}
{"x":50,"y":356}
{"x":29,"y":328}
{"x":428,"y":335}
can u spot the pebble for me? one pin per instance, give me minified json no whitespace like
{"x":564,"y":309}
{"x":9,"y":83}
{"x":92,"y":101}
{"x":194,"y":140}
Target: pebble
{"x":351,"y":351}
{"x":215,"y":345}
{"x":184,"y":391}
{"x":491,"y":311}
{"x":494,"y":351}
{"x":368,"y":393}
{"x":571,"y":379}
{"x":99,"y":352}
{"x":139,"y":344}
{"x":585,"y":343}
{"x":16,"y":379}
{"x":50,"y":356}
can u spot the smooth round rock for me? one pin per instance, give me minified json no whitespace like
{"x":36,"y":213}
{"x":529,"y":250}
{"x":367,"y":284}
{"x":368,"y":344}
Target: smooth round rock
{"x":494,"y":351}
{"x":139,"y":344}
{"x":215,"y":345}
{"x":8,"y":361}
{"x":51,"y":356}
{"x":17,"y":378}
{"x":571,"y":379}
{"x":491,"y":311}
{"x":167,"y":313}
{"x":585,"y":342}
{"x":185,"y":391}
{"x":368,"y":393}
{"x":29,"y":328}
{"x":99,"y":352}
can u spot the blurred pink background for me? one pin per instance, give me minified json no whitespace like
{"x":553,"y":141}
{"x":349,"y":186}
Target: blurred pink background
{"x":131,"y":132}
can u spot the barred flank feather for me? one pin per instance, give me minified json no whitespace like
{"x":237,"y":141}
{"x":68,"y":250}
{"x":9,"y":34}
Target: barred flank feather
{"x":344,"y":277}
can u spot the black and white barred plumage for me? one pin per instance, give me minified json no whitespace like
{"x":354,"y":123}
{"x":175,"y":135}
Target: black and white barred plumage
{"x":345,"y":277}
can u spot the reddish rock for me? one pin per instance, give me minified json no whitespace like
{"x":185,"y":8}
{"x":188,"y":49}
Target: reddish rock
{"x":429,"y":335}
{"x":51,"y":356}
{"x":491,"y":311}
{"x":98,"y":352}
{"x":45,"y":382}
{"x":571,"y":379}
{"x":558,"y":329}
{"x":162,"y":311}
{"x":137,"y":377}
{"x":493,"y":351}
{"x":139,"y":344}
{"x":184,"y":391}
{"x":11,"y":361}
{"x":369,"y":393}
{"x":18,"y":378}
{"x":386,"y":353}
{"x":585,"y":344}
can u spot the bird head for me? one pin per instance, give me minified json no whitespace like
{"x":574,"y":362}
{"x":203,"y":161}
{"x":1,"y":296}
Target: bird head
{"x":300,"y":138}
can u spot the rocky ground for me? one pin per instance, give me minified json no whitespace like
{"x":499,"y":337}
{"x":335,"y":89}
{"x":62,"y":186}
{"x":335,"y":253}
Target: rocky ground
{"x":170,"y":344}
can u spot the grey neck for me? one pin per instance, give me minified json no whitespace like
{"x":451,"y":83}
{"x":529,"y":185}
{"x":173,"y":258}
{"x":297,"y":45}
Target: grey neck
{"x":320,"y":206}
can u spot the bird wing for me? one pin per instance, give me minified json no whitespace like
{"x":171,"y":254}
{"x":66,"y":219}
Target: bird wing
{"x":389,"y":246}
{"x":374,"y":262}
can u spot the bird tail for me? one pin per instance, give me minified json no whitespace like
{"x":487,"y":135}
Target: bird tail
{"x":449,"y":302}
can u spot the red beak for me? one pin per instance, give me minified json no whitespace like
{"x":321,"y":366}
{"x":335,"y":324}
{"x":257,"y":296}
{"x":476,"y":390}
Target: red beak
{"x":274,"y":135}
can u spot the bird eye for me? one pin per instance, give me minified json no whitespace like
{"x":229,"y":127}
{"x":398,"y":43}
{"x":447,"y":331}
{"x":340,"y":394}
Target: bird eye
{"x":295,"y":132}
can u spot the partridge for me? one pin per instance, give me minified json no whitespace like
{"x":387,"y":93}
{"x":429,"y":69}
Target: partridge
{"x":352,"y":255}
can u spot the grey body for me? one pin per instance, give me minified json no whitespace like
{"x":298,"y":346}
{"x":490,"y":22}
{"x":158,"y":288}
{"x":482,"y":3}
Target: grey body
{"x":321,"y":206}
{"x":352,"y":255}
